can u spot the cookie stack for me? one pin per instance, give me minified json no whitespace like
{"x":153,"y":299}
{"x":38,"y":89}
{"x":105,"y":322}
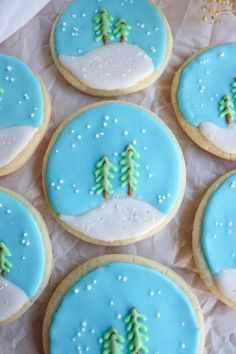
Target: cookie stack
{"x":114,"y":174}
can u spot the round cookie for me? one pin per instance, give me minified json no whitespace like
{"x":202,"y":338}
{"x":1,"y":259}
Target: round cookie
{"x":123,"y":304}
{"x":25,"y":255}
{"x":204,"y":99}
{"x":24,"y":113}
{"x":113,"y":174}
{"x":214,"y":242}
{"x":109,"y":48}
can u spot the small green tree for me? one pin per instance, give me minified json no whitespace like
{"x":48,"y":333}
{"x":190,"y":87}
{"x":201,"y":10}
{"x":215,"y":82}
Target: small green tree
{"x":103,"y":175}
{"x":234,"y":91}
{"x":112,"y":342}
{"x":1,"y":93}
{"x":5,"y":264}
{"x":136,"y":332}
{"x":226,"y":108}
{"x":121,"y":30}
{"x":129,"y":169}
{"x":103,"y":27}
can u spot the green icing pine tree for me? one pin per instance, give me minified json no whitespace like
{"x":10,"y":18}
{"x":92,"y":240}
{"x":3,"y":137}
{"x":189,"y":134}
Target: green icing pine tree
{"x":5,"y":264}
{"x":121,"y":30}
{"x":1,"y":93}
{"x":129,"y":169}
{"x":103,"y":175}
{"x":136,"y":332}
{"x":234,"y":90}
{"x":227,"y":109}
{"x":103,"y":27}
{"x":112,"y":342}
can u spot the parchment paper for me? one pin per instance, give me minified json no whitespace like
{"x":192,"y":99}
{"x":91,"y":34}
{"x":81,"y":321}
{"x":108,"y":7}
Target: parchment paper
{"x":172,"y":246}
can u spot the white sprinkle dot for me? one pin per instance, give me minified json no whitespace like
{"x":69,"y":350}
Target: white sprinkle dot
{"x":88,"y":126}
{"x":76,"y":291}
{"x":125,"y":132}
{"x":158,"y":315}
{"x":84,"y":323}
{"x":88,"y":287}
{"x":151,"y":293}
{"x":118,"y":316}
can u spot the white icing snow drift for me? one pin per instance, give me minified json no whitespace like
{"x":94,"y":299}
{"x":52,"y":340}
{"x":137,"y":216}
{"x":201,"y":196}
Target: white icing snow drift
{"x":117,"y":219}
{"x":13,"y":140}
{"x":226,"y":283}
{"x":223,"y":138}
{"x":110,"y":67}
{"x":12,"y":299}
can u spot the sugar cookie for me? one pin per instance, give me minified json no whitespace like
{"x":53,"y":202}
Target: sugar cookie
{"x":109,"y":48}
{"x":25,"y":255}
{"x":123,"y":304}
{"x":113,"y":174}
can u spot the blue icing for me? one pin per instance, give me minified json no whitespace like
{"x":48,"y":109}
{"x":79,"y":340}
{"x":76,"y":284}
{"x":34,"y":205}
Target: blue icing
{"x":74,"y":32}
{"x":71,"y":163}
{"x":204,"y":82}
{"x":219,"y":228}
{"x":22,"y":102}
{"x":20,"y":232}
{"x":169,"y":311}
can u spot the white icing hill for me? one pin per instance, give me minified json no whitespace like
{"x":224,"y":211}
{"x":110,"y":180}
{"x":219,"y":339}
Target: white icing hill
{"x":13,"y":140}
{"x":223,"y":138}
{"x":226,"y":283}
{"x":117,"y":219}
{"x":12,"y":299}
{"x":110,"y":67}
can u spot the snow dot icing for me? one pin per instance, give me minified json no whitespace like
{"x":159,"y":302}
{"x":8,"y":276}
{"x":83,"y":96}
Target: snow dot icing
{"x":97,"y":179}
{"x":218,"y":239}
{"x":100,"y":41}
{"x":21,"y":107}
{"x":22,"y":256}
{"x":206,"y":95}
{"x":167,"y":314}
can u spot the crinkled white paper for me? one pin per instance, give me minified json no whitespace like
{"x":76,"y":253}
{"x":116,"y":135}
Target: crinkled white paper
{"x":172,"y":246}
{"x":14,"y":14}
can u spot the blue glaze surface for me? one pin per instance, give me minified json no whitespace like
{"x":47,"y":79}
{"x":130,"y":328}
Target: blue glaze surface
{"x":176,"y":320}
{"x":204,"y":82}
{"x":219,"y":228}
{"x":71,"y":164}
{"x":28,"y":260}
{"x":22,"y":101}
{"x":141,"y":15}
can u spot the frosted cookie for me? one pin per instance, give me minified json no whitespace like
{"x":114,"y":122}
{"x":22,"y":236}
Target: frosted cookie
{"x":109,"y":48}
{"x":145,"y":304}
{"x":25,"y":255}
{"x":113,"y":174}
{"x":204,"y":99}
{"x":24,"y":113}
{"x":214,"y":241}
